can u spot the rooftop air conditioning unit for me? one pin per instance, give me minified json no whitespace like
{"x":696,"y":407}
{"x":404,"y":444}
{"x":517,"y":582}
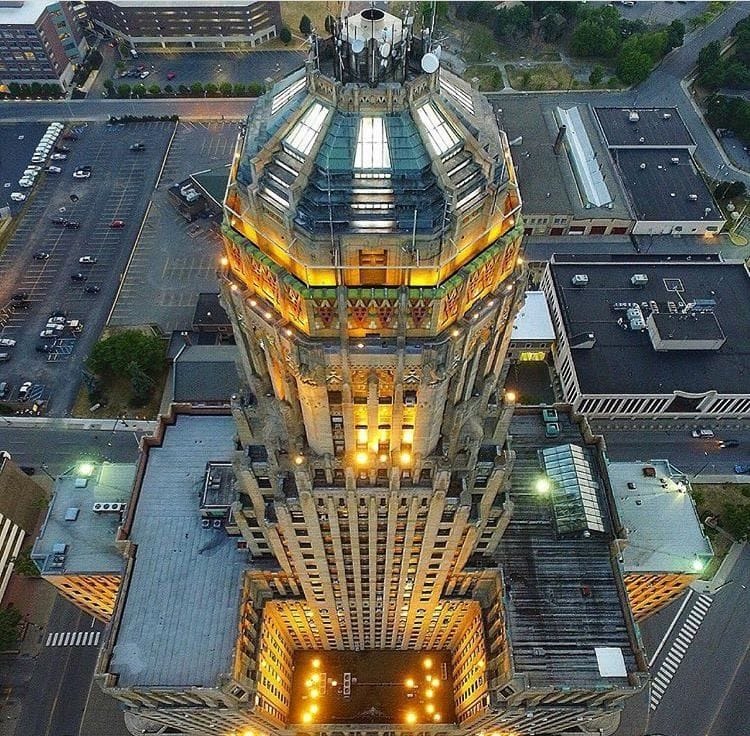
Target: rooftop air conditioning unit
{"x":580,"y":279}
{"x":97,"y":507}
{"x":693,"y":197}
{"x":667,"y":115}
{"x":639,"y":279}
{"x":675,"y":159}
{"x":192,"y":196}
{"x":642,"y":166}
{"x":633,"y":116}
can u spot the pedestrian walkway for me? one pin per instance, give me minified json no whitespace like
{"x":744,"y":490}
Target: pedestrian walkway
{"x":73,"y":639}
{"x":679,"y":648}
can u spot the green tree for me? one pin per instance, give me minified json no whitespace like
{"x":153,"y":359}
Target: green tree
{"x":305,"y":26}
{"x":184,"y":90}
{"x":512,"y":23}
{"x":154,"y":90}
{"x":633,"y":64}
{"x":730,"y":189}
{"x":736,"y":520}
{"x":196,"y":89}
{"x":225,"y":88}
{"x":597,"y":75}
{"x":114,"y":355}
{"x":141,"y":383}
{"x":481,"y":43}
{"x":211,"y":89}
{"x":675,"y":34}
{"x":123,"y":91}
{"x":25,"y":91}
{"x":168,"y":89}
{"x":120,"y":65}
{"x":10,"y":619}
{"x":709,"y":55}
{"x":239,"y":90}
{"x":36,"y":89}
{"x":139,"y":90}
{"x":24,"y":565}
{"x":15,"y":89}
{"x":330,"y":24}
{"x":597,"y":33}
{"x":109,"y":85}
{"x":285,"y":35}
{"x":124,"y":50}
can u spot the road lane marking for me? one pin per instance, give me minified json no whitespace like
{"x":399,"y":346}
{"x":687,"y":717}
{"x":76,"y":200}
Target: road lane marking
{"x":671,"y":626}
{"x":72,"y":638}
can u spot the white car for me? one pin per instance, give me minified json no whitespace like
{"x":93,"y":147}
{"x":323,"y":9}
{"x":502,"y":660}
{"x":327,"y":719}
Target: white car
{"x":17,"y":196}
{"x":34,"y":168}
{"x":38,"y":159}
{"x":56,"y":320}
{"x":25,"y":183}
{"x":58,"y":157}
{"x":25,"y":388}
{"x":81,"y":174}
{"x":53,"y":169}
{"x":41,"y":150}
{"x":7,"y":342}
{"x":48,"y":333}
{"x":87,"y":259}
{"x":54,"y":326}
{"x":30,"y":173}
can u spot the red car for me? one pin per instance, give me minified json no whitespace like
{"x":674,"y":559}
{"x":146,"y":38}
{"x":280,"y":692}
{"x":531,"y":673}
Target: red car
{"x":171,"y":75}
{"x":117,"y":223}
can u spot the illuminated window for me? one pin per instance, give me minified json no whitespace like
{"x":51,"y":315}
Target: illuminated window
{"x":530,"y":355}
{"x":372,"y":145}
{"x":440,"y":135}
{"x":280,"y":99}
{"x":302,"y":136}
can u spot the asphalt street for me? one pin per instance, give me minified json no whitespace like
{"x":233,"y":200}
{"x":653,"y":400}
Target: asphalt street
{"x":55,"y":696}
{"x":708,"y":693}
{"x":56,"y":451}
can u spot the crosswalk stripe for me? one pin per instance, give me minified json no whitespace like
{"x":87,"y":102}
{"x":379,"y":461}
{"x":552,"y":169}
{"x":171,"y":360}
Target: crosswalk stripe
{"x":79,"y":636}
{"x":49,"y":639}
{"x":669,"y":667}
{"x":66,"y":639}
{"x":96,"y":637}
{"x":658,"y":688}
{"x":72,"y":638}
{"x":679,"y":647}
{"x":89,"y":637}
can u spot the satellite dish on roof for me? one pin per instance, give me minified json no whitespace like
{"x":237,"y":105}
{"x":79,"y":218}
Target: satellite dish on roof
{"x":358,"y":45}
{"x":385,"y":50}
{"x":430,"y":63}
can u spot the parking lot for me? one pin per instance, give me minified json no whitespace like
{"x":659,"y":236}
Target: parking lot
{"x":204,"y":67}
{"x":18,"y":144}
{"x":119,"y":189}
{"x":175,"y":260}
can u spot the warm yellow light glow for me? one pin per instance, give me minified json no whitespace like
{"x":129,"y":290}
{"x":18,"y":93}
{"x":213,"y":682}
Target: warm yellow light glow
{"x":411,"y":717}
{"x":510,"y":397}
{"x":430,"y":708}
{"x":314,"y":692}
{"x":85,"y":469}
{"x":435,"y":683}
{"x":456,"y":333}
{"x":288,"y":332}
{"x":436,"y":717}
{"x":314,"y":709}
{"x":334,"y":683}
{"x":224,"y":261}
{"x":427,"y":663}
{"x":234,"y":287}
{"x":407,"y":436}
{"x":316,"y":664}
{"x":383,"y":458}
{"x":543,"y":485}
{"x":362,"y":435}
{"x":308,"y":683}
{"x":307,"y":717}
{"x":315,"y":677}
{"x":360,"y":345}
{"x":428,"y":693}
{"x":405,"y":458}
{"x":299,"y":460}
{"x":361,"y":458}
{"x":253,"y":303}
{"x":268,"y":315}
{"x":409,"y":682}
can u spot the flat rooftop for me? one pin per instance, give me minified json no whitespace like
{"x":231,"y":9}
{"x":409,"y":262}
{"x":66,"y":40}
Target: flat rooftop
{"x":533,"y":118}
{"x":563,"y":601}
{"x":22,"y":12}
{"x":533,"y":321}
{"x":179,"y":622}
{"x":655,"y":127}
{"x":665,"y":190}
{"x":206,"y":374}
{"x":88,"y":534}
{"x":663,"y":530}
{"x":624,"y":361}
{"x":379,"y":691}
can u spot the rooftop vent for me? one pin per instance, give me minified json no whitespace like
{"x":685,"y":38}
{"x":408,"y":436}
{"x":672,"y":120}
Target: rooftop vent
{"x":642,"y":166}
{"x":667,"y":115}
{"x":580,"y":279}
{"x":71,"y":514}
{"x":639,"y":279}
{"x":675,"y":159}
{"x":641,"y":140}
{"x":103,"y":508}
{"x":693,"y":197}
{"x":633,"y":116}
{"x":81,"y":482}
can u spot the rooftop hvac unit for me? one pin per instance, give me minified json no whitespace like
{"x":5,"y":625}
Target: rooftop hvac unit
{"x":185,"y":189}
{"x":192,"y":196}
{"x":693,"y":197}
{"x":580,"y":279}
{"x":633,"y":116}
{"x":675,"y":159}
{"x":639,"y":279}
{"x":642,"y":166}
{"x":667,"y":115}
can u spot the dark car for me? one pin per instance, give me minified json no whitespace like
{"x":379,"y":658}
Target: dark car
{"x":41,"y":255}
{"x":43,"y":347}
{"x":58,"y":313}
{"x":93,"y":289}
{"x":729,"y":443}
{"x":25,"y":304}
{"x":77,"y":277}
{"x":72,"y":225}
{"x":69,"y":136}
{"x":28,"y":469}
{"x":741,"y":469}
{"x":20,"y":296}
{"x":62,"y":149}
{"x":138,"y":147}
{"x":59,"y":221}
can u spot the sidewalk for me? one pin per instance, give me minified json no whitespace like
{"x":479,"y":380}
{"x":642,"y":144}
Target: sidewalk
{"x":114,"y":425}
{"x":722,"y":574}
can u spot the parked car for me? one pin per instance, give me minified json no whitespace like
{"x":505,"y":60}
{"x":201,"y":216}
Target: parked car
{"x":145,"y":74}
{"x":38,"y":159}
{"x":59,"y":156}
{"x":702,"y":432}
{"x":72,"y":225}
{"x":80,"y":174}
{"x":7,"y":342}
{"x":56,"y":319}
{"x":48,"y":333}
{"x":77,"y":277}
{"x":4,"y":389}
{"x":70,"y":136}
{"x":741,"y":469}
{"x":17,"y":196}
{"x":34,"y":168}
{"x":62,"y":149}
{"x":87,"y":259}
{"x":53,"y":169}
{"x":20,"y":296}
{"x":59,"y":221}
{"x":138,"y":147}
{"x":93,"y":289}
{"x":729,"y":443}
{"x":117,"y":224}
{"x":23,"y":392}
{"x":4,"y":357}
{"x":41,"y":255}
{"x":43,"y":347}
{"x":25,"y":183}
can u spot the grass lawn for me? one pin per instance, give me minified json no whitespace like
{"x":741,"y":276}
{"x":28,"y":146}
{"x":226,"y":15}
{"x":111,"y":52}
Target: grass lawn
{"x":116,"y":393}
{"x":490,"y":79}
{"x":542,"y":77}
{"x":291,"y":13}
{"x":710,"y":499}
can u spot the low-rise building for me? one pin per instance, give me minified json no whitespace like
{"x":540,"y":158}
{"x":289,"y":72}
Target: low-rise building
{"x":651,"y":337}
{"x":78,"y":550}
{"x":171,"y":24}
{"x":40,"y":42}
{"x":640,"y":128}
{"x":533,"y":334}
{"x":665,"y":547}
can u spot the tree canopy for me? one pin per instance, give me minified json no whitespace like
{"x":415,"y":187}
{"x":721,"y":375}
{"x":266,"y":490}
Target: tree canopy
{"x":114,"y":355}
{"x":10,"y":620}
